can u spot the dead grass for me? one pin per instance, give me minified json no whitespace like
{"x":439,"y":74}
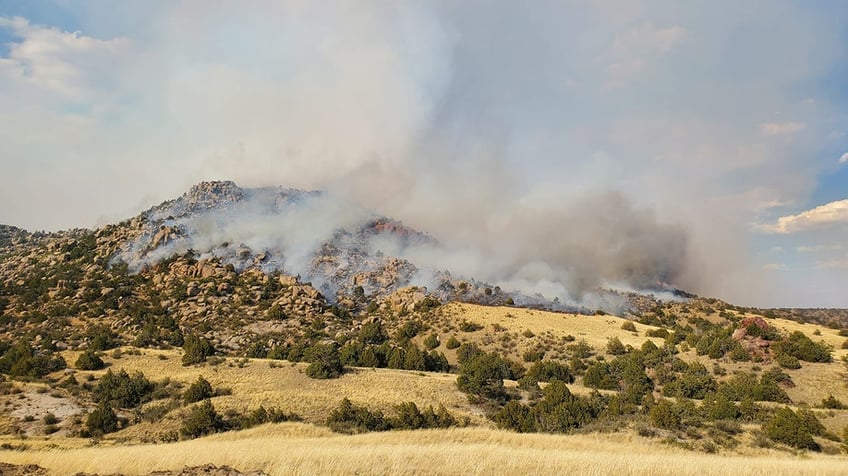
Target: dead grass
{"x":302,"y":449}
{"x":554,"y":326}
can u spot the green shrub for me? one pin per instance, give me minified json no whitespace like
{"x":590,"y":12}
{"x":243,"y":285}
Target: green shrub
{"x":101,"y":420}
{"x":560,"y":411}
{"x":466,"y":326}
{"x":199,"y":390}
{"x":483,"y":376}
{"x":202,"y":420}
{"x":350,"y":418}
{"x":275,"y":313}
{"x":50,"y":419}
{"x":452,"y":343}
{"x":373,"y":333}
{"x":664,"y":415}
{"x":798,"y":345}
{"x":196,"y":349}
{"x":661,"y":333}
{"x":432,"y":341}
{"x":324,"y":361}
{"x":548,"y":371}
{"x":516,"y":417}
{"x":122,"y":390}
{"x":615,"y":347}
{"x":89,"y":360}
{"x":788,"y":361}
{"x":20,"y":360}
{"x":832,"y":403}
{"x":628,"y":326}
{"x":787,"y":427}
{"x":533,"y":355}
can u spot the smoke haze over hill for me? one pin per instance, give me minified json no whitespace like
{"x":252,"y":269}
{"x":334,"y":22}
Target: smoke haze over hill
{"x":568,"y":145}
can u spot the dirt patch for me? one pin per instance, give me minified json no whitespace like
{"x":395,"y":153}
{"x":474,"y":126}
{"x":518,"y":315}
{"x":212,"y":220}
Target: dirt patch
{"x":7,"y":469}
{"x":33,"y":406}
{"x":205,"y":470}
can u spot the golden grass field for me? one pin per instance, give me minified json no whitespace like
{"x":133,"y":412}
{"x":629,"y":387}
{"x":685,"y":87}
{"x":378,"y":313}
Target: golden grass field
{"x":304,"y":448}
{"x":291,"y":448}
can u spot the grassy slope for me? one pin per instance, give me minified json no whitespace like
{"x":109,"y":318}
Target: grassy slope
{"x":304,"y":448}
{"x":301,"y":449}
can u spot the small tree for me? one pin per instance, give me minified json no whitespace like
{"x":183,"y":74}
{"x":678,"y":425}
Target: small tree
{"x":196,"y":350}
{"x":615,"y":347}
{"x":101,"y":420}
{"x":203,"y":420}
{"x":789,"y":428}
{"x":89,"y":360}
{"x":664,"y":415}
{"x":199,"y":390}
{"x":324,"y":361}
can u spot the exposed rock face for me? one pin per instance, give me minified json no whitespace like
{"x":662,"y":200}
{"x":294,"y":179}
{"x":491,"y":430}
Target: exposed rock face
{"x":405,"y":299}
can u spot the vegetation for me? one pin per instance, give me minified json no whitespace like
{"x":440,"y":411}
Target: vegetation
{"x":196,"y":350}
{"x":101,"y":420}
{"x":350,"y":418}
{"x":89,"y":360}
{"x":198,"y":391}
{"x":202,"y":420}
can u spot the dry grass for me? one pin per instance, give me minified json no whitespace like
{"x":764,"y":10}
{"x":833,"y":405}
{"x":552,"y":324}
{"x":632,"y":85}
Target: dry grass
{"x":302,"y":449}
{"x":288,"y":388}
{"x":595,"y":330}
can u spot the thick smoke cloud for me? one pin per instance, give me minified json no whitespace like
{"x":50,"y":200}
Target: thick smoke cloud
{"x":566,"y":145}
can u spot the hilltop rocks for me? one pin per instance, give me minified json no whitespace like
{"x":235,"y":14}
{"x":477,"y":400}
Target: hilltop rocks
{"x":405,"y":299}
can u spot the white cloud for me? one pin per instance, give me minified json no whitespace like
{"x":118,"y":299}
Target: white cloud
{"x":829,"y":214}
{"x":775,"y":267}
{"x":844,"y":158}
{"x":68,"y":63}
{"x":781,"y":128}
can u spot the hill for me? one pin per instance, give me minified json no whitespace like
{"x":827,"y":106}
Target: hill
{"x":186,"y":322}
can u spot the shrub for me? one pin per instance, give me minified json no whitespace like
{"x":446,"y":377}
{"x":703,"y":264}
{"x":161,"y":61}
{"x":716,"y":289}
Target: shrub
{"x":350,"y":418}
{"x":196,"y":349}
{"x":324,"y":361}
{"x":20,"y":360}
{"x":483,"y":376}
{"x":50,"y":419}
{"x":615,"y":347}
{"x":661,"y":333}
{"x":788,"y":361}
{"x":123,"y":390}
{"x":628,"y":326}
{"x":202,"y":420}
{"x":599,"y":375}
{"x":89,"y":360}
{"x":664,"y":415}
{"x":516,"y":417}
{"x":275,"y":313}
{"x":466,"y":326}
{"x":798,"y":345}
{"x":407,"y":331}
{"x":432,"y":341}
{"x":581,"y":349}
{"x":452,"y":343}
{"x":548,"y":371}
{"x":787,"y":427}
{"x":832,"y":403}
{"x":560,"y":411}
{"x":101,"y":420}
{"x":373,"y":333}
{"x":199,"y":390}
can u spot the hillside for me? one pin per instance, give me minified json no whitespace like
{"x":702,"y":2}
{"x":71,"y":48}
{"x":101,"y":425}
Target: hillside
{"x":165,"y":329}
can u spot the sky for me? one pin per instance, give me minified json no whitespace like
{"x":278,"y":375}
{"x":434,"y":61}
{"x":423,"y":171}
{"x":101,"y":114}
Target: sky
{"x":722,"y":124}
